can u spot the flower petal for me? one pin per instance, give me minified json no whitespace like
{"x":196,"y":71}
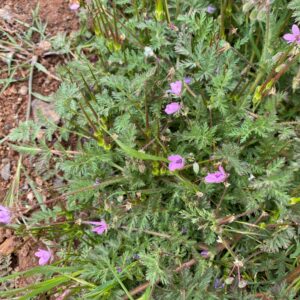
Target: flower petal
{"x":99,"y":229}
{"x":174,"y":157}
{"x":43,"y":255}
{"x":74,"y":6}
{"x":222,"y":171}
{"x":5,"y":215}
{"x":290,"y":38}
{"x":95,"y":223}
{"x":176,"y":87}
{"x":210,"y":178}
{"x":295,"y":29}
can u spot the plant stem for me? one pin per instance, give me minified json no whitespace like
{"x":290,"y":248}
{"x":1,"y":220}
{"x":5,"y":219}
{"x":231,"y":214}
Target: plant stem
{"x":222,"y":27}
{"x":267,"y":34}
{"x":147,"y":116}
{"x":33,"y":62}
{"x":120,"y":281}
{"x":163,"y":235}
{"x":221,"y":201}
{"x":167,"y":11}
{"x":261,"y":72}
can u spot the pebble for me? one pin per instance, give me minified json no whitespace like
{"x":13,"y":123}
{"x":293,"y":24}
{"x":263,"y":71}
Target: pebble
{"x":58,"y":182}
{"x":47,"y":109}
{"x":5,"y":172}
{"x":23,"y":90}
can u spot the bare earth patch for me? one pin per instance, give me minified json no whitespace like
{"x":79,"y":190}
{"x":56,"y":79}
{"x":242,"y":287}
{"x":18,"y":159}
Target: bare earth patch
{"x":14,"y":251}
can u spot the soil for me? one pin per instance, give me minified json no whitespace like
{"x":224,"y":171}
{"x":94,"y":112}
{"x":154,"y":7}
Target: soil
{"x":13,"y":107}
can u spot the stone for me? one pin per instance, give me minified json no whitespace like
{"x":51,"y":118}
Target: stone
{"x":46,"y":109}
{"x":23,"y":90}
{"x":5,"y":172}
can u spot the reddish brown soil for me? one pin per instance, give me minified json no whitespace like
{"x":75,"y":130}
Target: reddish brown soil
{"x":13,"y":106}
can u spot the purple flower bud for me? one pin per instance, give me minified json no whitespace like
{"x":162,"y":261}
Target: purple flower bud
{"x":210,"y":9}
{"x":218,"y":284}
{"x":136,"y":256}
{"x":187,"y":80}
{"x":204,"y":253}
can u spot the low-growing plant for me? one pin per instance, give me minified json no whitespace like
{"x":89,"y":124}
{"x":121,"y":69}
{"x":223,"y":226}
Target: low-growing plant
{"x":184,"y":181}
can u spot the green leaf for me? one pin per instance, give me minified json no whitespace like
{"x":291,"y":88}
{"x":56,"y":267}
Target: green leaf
{"x":146,"y":295}
{"x":42,"y":97}
{"x":138,"y":154}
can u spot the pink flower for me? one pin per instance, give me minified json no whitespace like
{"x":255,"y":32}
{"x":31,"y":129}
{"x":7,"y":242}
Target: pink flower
{"x":176,"y":162}
{"x":294,"y":36}
{"x":216,"y":177}
{"x":5,"y":215}
{"x":176,"y":88}
{"x":44,"y":256}
{"x":74,"y":5}
{"x":172,"y":108}
{"x":99,"y":227}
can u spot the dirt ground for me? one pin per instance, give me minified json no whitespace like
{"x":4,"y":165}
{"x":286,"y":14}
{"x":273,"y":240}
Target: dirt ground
{"x":16,"y":253}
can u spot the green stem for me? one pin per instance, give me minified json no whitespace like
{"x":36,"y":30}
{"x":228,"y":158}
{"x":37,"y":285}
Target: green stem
{"x":262,"y":71}
{"x":120,"y":281}
{"x":222,"y":27}
{"x":115,"y":23}
{"x":136,"y":9}
{"x":147,"y":116}
{"x":167,"y":11}
{"x":267,"y":35}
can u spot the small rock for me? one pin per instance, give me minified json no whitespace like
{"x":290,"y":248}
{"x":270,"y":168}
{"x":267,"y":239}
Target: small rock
{"x":5,"y":172}
{"x":23,"y":90}
{"x":46,"y":109}
{"x":30,"y":196}
{"x":58,"y":182}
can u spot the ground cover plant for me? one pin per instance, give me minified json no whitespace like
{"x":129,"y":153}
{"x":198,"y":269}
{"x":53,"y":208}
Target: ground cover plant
{"x":183,"y":182}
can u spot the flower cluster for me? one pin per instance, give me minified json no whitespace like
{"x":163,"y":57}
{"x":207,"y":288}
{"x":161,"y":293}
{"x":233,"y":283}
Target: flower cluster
{"x":46,"y":255}
{"x":176,"y":162}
